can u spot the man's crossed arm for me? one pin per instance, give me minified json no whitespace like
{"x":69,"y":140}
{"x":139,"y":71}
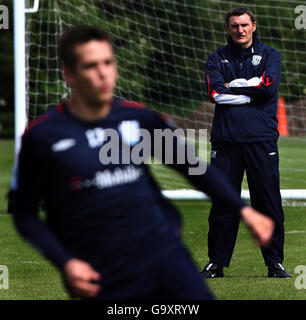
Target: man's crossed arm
{"x":225,"y":98}
{"x":241,"y":91}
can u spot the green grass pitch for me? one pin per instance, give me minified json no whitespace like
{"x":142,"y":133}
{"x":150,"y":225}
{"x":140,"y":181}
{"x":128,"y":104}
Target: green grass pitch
{"x":33,"y":277}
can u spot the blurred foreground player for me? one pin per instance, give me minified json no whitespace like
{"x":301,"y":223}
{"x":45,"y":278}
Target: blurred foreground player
{"x":108,"y":229}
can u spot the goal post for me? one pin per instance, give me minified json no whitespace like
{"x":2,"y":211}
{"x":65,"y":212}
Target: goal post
{"x":161,"y":47}
{"x":20,"y":119}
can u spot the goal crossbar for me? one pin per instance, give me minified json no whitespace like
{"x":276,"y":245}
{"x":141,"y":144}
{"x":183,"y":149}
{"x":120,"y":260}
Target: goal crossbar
{"x":189,"y":194}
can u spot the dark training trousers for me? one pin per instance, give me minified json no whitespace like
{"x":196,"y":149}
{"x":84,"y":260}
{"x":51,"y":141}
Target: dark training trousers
{"x":172,"y":276}
{"x":260,"y":160}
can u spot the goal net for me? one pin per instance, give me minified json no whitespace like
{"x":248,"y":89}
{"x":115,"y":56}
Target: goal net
{"x":161,"y":47}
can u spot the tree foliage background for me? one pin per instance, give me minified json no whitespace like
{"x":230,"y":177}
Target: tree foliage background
{"x":7,"y":76}
{"x":161,"y":47}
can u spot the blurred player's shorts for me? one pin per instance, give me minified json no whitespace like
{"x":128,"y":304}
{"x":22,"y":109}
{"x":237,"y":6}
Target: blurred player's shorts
{"x":11,"y":206}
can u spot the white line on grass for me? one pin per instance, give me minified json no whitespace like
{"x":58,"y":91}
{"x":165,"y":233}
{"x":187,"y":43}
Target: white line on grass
{"x":292,"y":203}
{"x":296,"y":231}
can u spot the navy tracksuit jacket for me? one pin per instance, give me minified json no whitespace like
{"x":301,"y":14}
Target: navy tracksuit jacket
{"x":244,"y":138}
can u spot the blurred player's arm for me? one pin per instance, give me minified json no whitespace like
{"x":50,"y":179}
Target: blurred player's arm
{"x":218,"y":92}
{"x":215,"y":185}
{"x":78,"y":275}
{"x":30,"y":185}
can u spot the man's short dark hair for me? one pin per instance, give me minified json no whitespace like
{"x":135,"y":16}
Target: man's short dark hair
{"x":74,"y":36}
{"x":239,"y":12}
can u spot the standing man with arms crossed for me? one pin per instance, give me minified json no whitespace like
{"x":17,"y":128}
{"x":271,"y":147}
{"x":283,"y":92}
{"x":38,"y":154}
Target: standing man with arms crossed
{"x":242,"y":78}
{"x":108,"y":228}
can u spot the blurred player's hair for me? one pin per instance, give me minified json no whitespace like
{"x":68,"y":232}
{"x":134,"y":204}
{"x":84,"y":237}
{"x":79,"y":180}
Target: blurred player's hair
{"x":239,"y":12}
{"x":77,"y":35}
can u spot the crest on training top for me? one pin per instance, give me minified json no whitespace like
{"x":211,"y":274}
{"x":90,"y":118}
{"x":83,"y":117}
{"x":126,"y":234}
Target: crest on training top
{"x":130,"y":131}
{"x":256,"y":60}
{"x":213,"y":154}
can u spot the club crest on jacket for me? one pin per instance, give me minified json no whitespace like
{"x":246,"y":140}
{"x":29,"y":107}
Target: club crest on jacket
{"x":256,"y":60}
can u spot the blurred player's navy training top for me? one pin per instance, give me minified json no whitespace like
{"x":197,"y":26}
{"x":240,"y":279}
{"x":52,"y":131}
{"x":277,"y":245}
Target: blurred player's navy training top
{"x":112,"y":216}
{"x":254,"y":121}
